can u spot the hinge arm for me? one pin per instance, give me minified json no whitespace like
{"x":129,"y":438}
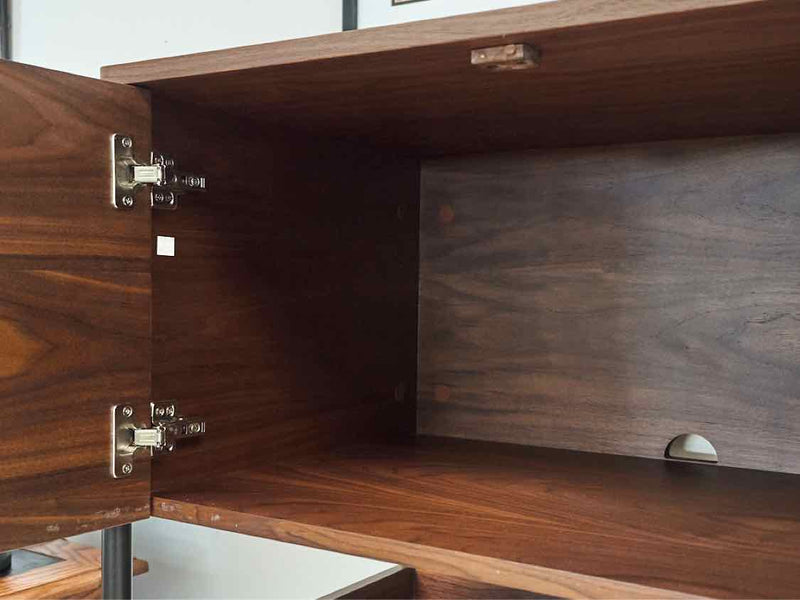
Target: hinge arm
{"x":149,"y":438}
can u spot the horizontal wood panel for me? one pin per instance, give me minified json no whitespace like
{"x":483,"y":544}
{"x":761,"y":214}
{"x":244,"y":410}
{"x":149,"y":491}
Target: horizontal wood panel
{"x":74,"y":304}
{"x":455,"y":508}
{"x":287,"y":318}
{"x":610,"y":299}
{"x":611,"y":71}
{"x":515,"y":21}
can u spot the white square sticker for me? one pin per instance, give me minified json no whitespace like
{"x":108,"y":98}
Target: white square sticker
{"x":165,"y":245}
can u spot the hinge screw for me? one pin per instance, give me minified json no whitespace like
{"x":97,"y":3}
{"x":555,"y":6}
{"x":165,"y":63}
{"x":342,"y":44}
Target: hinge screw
{"x":127,"y":201}
{"x":127,"y":142}
{"x":163,"y":198}
{"x":171,"y":410}
{"x":127,"y":468}
{"x":160,"y":411}
{"x":127,"y":411}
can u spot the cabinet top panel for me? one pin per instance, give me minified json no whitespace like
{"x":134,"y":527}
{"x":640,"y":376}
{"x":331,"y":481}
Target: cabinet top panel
{"x":609,"y":71}
{"x":520,"y":21}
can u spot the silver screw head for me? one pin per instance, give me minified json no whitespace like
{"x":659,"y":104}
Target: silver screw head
{"x":194,"y":428}
{"x":171,"y":410}
{"x":127,"y":201}
{"x":163,"y":198}
{"x":127,"y":142}
{"x":127,"y":468}
{"x":127,"y":411}
{"x":160,"y":411}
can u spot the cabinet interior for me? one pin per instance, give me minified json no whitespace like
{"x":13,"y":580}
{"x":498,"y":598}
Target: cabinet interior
{"x":429,"y":310}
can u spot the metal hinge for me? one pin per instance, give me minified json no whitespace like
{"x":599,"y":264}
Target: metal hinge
{"x":167,"y":428}
{"x":128,"y":174}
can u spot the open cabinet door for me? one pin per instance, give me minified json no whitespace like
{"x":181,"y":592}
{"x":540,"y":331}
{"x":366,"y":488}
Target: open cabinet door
{"x":74,"y":304}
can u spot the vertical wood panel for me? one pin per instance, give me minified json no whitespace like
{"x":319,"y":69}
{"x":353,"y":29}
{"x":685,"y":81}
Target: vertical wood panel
{"x":74,"y":304}
{"x":288,"y":316}
{"x":608,"y":299}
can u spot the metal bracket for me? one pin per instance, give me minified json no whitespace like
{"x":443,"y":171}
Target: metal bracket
{"x":128,"y":174}
{"x":167,"y":428}
{"x":511,"y":57}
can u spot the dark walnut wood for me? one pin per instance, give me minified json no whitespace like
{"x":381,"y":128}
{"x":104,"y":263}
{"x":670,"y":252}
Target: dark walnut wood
{"x":534,"y":519}
{"x":74,"y":304}
{"x":288,"y":317}
{"x":611,"y":71}
{"x":610,"y":299}
{"x":436,"y":587}
{"x":396,"y":582}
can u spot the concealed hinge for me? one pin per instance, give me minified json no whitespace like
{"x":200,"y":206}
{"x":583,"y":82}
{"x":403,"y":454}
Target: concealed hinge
{"x":128,"y":174}
{"x":167,"y":428}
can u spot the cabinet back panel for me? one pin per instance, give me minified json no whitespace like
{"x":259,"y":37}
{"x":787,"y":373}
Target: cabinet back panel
{"x":609,"y":299}
{"x":288,"y":316}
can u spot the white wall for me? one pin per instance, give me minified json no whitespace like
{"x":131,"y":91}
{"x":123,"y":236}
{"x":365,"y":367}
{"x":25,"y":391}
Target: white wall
{"x":188,"y":561}
{"x":373,"y":13}
{"x":79,"y":36}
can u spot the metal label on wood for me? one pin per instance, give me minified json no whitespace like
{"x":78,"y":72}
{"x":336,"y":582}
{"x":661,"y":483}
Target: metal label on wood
{"x":511,"y":57}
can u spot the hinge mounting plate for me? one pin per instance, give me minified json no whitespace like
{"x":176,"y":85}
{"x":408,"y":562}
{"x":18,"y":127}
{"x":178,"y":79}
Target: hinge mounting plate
{"x":128,"y":174}
{"x":167,"y":428}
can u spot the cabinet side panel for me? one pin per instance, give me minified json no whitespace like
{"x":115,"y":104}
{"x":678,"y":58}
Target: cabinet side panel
{"x":609,"y":299}
{"x":288,"y":316}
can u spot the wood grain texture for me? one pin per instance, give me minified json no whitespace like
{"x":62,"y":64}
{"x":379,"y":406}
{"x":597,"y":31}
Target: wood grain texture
{"x":435,"y":587}
{"x":77,"y":575}
{"x":288,"y":317}
{"x":612,"y":71}
{"x":610,"y":299}
{"x":395,"y":582}
{"x":55,"y":168}
{"x":74,"y":304}
{"x":510,"y":515}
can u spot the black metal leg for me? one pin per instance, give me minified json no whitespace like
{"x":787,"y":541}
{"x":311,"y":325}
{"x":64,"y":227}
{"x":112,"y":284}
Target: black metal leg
{"x":117,"y":561}
{"x":349,"y":15}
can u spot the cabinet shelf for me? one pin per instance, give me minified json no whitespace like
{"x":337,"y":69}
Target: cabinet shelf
{"x":509,"y":514}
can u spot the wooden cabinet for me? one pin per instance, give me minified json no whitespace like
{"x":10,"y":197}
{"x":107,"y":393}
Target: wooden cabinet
{"x":436,"y":314}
